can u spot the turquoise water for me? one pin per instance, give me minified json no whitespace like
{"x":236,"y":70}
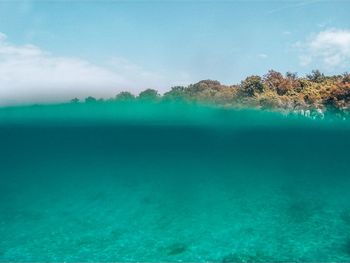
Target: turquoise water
{"x":169,"y":182}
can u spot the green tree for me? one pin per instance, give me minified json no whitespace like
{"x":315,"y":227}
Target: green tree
{"x":252,"y":85}
{"x":176,"y":93}
{"x":148,"y":94}
{"x":124,"y":96}
{"x":316,"y":76}
{"x":90,"y":100}
{"x":292,"y":75}
{"x":346,"y":78}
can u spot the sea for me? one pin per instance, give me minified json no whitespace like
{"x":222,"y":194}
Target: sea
{"x":172,"y":182}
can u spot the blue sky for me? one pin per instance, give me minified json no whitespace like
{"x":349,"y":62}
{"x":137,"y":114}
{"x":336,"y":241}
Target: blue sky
{"x":101,"y":47}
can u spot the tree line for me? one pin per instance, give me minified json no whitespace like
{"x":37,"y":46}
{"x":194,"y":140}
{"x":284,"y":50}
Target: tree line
{"x":314,"y":94}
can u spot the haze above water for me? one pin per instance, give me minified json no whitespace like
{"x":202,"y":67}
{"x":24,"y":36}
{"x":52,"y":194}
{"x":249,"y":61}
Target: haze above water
{"x":171,"y":182}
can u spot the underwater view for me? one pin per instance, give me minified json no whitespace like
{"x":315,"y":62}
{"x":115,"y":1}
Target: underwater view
{"x":172,"y":182}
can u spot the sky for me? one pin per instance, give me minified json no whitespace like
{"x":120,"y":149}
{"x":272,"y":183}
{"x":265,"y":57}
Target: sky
{"x":56,"y":50}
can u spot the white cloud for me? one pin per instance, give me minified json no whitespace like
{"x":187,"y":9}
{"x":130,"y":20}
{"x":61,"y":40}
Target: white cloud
{"x":329,"y":50}
{"x":30,"y":74}
{"x":262,"y":56}
{"x":2,"y":36}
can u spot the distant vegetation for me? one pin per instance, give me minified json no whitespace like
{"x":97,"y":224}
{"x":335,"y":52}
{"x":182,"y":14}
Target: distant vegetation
{"x":314,"y":95}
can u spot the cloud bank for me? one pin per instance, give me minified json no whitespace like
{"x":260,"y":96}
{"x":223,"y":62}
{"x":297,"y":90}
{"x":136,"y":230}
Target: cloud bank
{"x":29,"y":74}
{"x":329,"y":50}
